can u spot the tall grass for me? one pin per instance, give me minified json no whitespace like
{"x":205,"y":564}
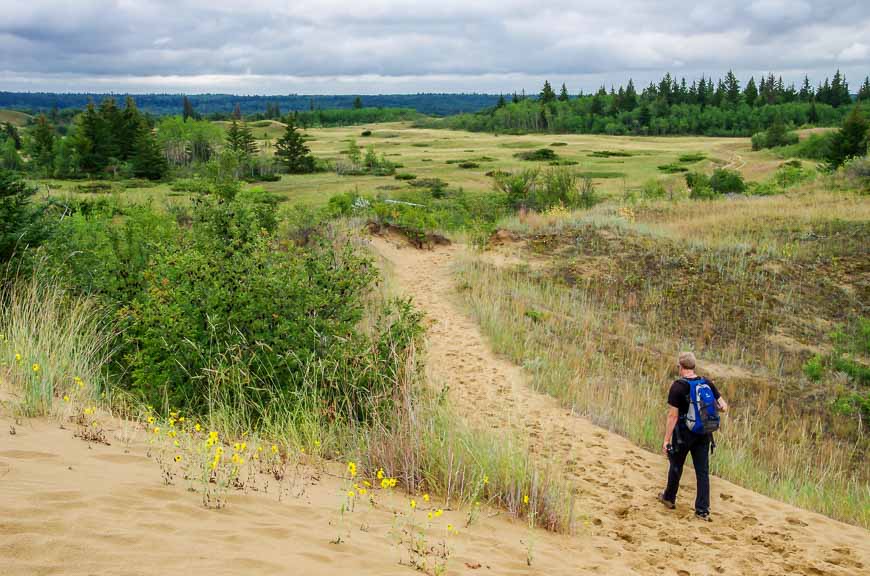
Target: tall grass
{"x":52,"y":344}
{"x":590,"y":354}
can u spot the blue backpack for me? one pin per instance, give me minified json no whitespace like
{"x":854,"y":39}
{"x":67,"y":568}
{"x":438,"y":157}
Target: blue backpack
{"x":703,"y":414}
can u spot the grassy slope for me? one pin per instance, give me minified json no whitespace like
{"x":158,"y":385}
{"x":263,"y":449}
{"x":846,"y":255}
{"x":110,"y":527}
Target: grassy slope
{"x":14,"y":117}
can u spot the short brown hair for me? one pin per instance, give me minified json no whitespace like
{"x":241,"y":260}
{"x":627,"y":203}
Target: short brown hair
{"x":687,"y":360}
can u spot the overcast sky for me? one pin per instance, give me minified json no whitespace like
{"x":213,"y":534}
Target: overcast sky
{"x":398,"y":46}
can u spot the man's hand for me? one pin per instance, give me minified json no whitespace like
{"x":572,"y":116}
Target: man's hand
{"x":723,"y":406}
{"x":665,"y":445}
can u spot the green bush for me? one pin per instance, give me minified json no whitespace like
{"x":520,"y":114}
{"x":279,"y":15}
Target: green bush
{"x":725,"y":181}
{"x":266,"y":311}
{"x":406,"y":176}
{"x":814,"y":369}
{"x":813,"y":147}
{"x":468,"y":165}
{"x":539,"y":155}
{"x":653,"y":190}
{"x":672,"y":168}
{"x":692,"y":157}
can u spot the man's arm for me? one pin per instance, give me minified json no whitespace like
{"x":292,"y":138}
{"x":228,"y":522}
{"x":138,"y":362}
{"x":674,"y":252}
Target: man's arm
{"x":723,"y":405}
{"x":673,"y":416}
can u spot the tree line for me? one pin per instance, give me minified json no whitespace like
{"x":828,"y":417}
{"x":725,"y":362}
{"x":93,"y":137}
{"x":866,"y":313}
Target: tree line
{"x":106,"y":140}
{"x":706,"y":106}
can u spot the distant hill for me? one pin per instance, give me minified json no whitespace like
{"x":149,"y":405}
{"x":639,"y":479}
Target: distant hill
{"x":14,"y":117}
{"x":161,"y":104}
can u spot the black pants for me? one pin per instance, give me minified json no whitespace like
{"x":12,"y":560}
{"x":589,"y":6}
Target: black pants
{"x":699,"y":447}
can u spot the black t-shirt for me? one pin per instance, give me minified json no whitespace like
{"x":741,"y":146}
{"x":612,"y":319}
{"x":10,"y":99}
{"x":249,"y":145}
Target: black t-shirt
{"x":678,"y":397}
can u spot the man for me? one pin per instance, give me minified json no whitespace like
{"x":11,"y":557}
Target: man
{"x":679,"y":441}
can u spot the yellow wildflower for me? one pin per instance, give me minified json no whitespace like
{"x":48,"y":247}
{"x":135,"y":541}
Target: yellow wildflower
{"x":178,"y":457}
{"x":197,"y":427}
{"x":380,"y":473}
{"x":151,"y":419}
{"x":157,"y":429}
{"x":485,"y":479}
{"x":351,"y":469}
{"x":274,"y":449}
{"x":362,"y":491}
{"x":350,"y":494}
{"x":439,"y":512}
{"x":425,"y":497}
{"x":17,"y":357}
{"x":175,"y":443}
{"x":367,"y":484}
{"x":525,"y":498}
{"x":35,"y":367}
{"x":429,"y":515}
{"x":413,"y":503}
{"x":65,"y":398}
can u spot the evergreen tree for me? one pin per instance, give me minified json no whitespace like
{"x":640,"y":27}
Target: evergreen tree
{"x":92,"y":141}
{"x":750,"y":93}
{"x":187,"y":109}
{"x":563,"y":94}
{"x":813,"y":114}
{"x":547,"y":94}
{"x":240,"y":139}
{"x":629,"y":99}
{"x":501,"y":103}
{"x":18,"y":218}
{"x":42,"y":147}
{"x":732,"y":88}
{"x":132,"y":124}
{"x":292,"y":151}
{"x":111,"y":116}
{"x":9,"y":158}
{"x":148,"y":160}
{"x":515,"y":99}
{"x":357,"y":103}
{"x":806,"y":92}
{"x":864,"y":91}
{"x":851,"y":140}
{"x":12,"y":134}
{"x":839,"y":94}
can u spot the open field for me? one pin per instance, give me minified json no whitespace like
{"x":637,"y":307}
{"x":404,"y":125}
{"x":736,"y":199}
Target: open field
{"x":431,"y":153}
{"x":14,"y":117}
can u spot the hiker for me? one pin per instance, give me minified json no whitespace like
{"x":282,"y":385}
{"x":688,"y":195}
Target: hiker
{"x":693,"y":415}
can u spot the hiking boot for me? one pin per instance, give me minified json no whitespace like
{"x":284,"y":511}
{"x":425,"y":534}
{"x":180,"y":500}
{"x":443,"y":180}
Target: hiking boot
{"x":668,"y":504}
{"x":704,"y":515}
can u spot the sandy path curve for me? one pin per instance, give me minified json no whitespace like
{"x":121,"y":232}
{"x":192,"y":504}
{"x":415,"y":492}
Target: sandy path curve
{"x":616,"y":482}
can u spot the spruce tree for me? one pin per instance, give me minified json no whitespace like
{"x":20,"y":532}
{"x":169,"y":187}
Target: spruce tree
{"x":357,"y":103}
{"x":732,"y":88}
{"x":501,"y":103}
{"x":547,"y":94}
{"x":148,"y":160}
{"x":806,"y":91}
{"x":42,"y":148}
{"x":240,"y":139}
{"x":292,"y":151}
{"x":132,"y":123}
{"x":851,"y":140}
{"x":17,"y":216}
{"x":864,"y":91}
{"x":750,"y":93}
{"x":629,"y":99}
{"x":563,"y":94}
{"x":187,"y":109}
{"x":813,"y":114}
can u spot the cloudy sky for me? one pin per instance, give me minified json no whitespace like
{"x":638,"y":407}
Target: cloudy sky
{"x":397,"y":46}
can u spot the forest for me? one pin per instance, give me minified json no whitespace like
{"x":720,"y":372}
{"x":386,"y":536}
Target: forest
{"x":704,"y":107}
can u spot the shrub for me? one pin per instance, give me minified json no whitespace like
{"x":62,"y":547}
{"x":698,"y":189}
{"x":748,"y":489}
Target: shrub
{"x":517,"y":187}
{"x":468,"y":165}
{"x":813,"y":147}
{"x":365,"y":133}
{"x":672,"y":168}
{"x":726,"y":181}
{"x":539,"y":155}
{"x":610,"y":154}
{"x":813,"y":368}
{"x":774,"y":137}
{"x":692,"y":157}
{"x":555,"y":144}
{"x":406,"y":176}
{"x":653,"y":190}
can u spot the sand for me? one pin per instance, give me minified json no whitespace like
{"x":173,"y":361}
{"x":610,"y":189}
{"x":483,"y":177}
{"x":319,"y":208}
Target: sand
{"x":617,"y":483}
{"x":72,"y":507}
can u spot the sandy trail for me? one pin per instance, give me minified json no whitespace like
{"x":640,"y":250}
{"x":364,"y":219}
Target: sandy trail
{"x":616,"y":482}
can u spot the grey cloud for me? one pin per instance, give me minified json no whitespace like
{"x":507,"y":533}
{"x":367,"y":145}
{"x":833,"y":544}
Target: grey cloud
{"x":424,"y":45}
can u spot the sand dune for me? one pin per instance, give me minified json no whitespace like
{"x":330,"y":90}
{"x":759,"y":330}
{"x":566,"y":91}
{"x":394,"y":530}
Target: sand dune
{"x":71,"y":507}
{"x":617,"y":482}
